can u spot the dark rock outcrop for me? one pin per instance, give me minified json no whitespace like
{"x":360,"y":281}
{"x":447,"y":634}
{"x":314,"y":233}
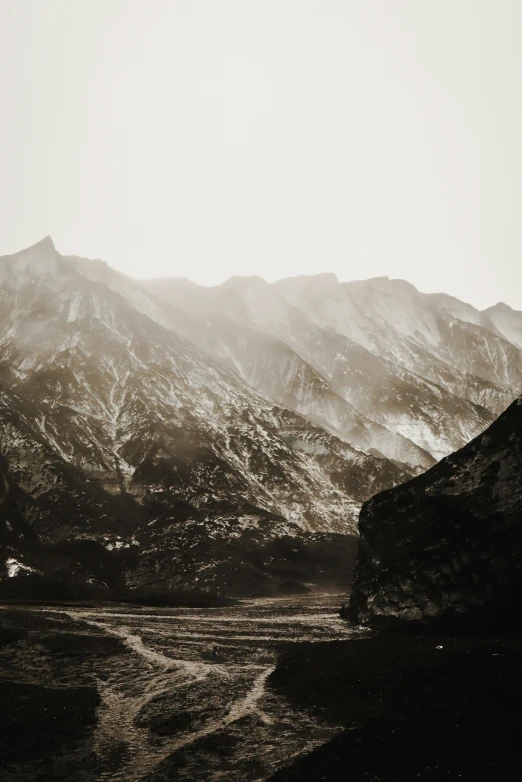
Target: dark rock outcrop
{"x":444,"y":551}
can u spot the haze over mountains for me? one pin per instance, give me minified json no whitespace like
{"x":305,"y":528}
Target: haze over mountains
{"x":407,"y":375}
{"x":181,"y":430}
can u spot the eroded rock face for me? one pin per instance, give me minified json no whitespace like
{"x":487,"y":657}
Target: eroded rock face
{"x":444,"y":550}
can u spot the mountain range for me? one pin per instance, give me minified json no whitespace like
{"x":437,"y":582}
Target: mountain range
{"x":159,"y":433}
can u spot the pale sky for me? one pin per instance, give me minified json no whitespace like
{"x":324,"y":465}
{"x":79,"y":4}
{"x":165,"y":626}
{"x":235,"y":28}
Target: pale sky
{"x":206,"y":138}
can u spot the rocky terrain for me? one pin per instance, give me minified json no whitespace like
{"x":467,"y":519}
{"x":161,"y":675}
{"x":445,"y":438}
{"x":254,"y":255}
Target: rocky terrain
{"x":444,"y":550}
{"x":171,"y":452}
{"x":392,"y":370}
{"x":440,"y":560}
{"x":96,"y":692}
{"x":129,"y":458}
{"x":163,"y":436}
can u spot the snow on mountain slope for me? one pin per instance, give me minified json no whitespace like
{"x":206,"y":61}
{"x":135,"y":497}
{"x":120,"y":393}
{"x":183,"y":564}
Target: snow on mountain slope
{"x":189,"y":414}
{"x":425,"y":412}
{"x":434,"y":336}
{"x":395,"y":321}
{"x":390,"y":378}
{"x":276,"y":369}
{"x":500,"y":319}
{"x":141,"y":419}
{"x":373,"y":313}
{"x":417,"y":332}
{"x":273,"y":367}
{"x":453,"y":306}
{"x":505,"y":321}
{"x":268,"y":364}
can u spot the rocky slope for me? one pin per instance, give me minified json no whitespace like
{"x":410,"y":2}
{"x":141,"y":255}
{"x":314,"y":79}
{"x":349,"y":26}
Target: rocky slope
{"x":120,"y":432}
{"x":444,"y":551}
{"x":439,"y":556}
{"x":156,"y":420}
{"x":391,"y":370}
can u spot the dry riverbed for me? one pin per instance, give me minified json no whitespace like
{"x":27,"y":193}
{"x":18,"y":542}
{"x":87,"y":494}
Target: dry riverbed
{"x":113,"y":692}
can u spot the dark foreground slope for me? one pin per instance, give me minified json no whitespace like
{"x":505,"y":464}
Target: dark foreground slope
{"x":412,"y":708}
{"x":440,"y":556}
{"x":444,"y":551}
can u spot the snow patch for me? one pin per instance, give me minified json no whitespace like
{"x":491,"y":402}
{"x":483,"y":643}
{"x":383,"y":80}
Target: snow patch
{"x":14,"y":568}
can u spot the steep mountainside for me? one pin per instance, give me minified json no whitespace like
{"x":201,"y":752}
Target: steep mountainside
{"x":119,"y":431}
{"x":170,"y":424}
{"x":408,"y":375}
{"x":445,"y":549}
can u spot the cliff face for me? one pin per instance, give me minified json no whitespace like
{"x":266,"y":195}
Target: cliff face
{"x":444,"y":550}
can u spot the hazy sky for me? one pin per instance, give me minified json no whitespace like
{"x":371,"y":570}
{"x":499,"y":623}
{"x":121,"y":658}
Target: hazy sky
{"x":206,"y":138}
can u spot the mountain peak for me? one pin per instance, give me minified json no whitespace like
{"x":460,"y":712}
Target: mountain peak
{"x":500,"y":306}
{"x":394,"y":284}
{"x":325,"y":277}
{"x":323,"y":284}
{"x":312,"y":279}
{"x":243,"y":281}
{"x":37,"y":261}
{"x":250,"y":286}
{"x":42,"y":248}
{"x":44,"y":244}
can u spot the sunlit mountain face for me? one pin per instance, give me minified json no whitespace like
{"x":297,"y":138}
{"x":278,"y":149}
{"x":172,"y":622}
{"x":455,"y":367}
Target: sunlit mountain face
{"x":163,"y":434}
{"x":396,"y":372}
{"x":121,"y":434}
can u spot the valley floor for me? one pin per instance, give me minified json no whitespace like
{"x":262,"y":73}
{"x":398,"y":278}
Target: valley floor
{"x":119,"y":692}
{"x":278,"y":689}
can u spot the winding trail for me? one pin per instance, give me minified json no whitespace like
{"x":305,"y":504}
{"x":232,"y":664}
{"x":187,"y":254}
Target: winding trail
{"x":189,"y":698}
{"x":119,"y":710}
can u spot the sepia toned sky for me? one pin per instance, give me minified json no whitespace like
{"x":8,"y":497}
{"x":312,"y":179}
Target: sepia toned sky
{"x":205,"y":138}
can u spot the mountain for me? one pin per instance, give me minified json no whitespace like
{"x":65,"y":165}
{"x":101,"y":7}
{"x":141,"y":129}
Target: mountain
{"x":445,"y":549}
{"x":171,"y":425}
{"x":120,"y":435}
{"x":395,"y":372}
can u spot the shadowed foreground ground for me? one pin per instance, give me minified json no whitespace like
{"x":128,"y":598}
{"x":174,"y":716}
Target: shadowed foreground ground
{"x":91,"y":693}
{"x":415,"y":708}
{"x":126,"y":693}
{"x":46,"y":732}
